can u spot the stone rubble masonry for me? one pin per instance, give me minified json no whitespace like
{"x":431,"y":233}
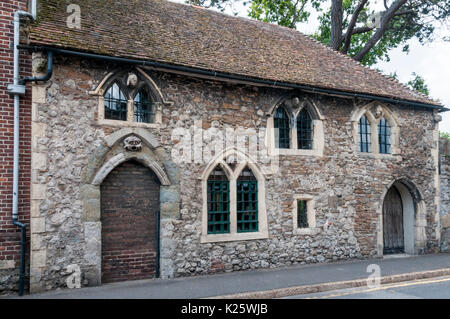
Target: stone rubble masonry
{"x":444,"y":152}
{"x":70,"y":148}
{"x":10,"y":234}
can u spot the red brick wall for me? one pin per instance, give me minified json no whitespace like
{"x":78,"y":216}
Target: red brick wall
{"x":10,"y":234}
{"x":129,"y":199}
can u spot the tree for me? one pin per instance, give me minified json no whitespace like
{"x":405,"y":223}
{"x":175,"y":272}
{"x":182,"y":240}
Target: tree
{"x":353,"y":27}
{"x":416,"y":83}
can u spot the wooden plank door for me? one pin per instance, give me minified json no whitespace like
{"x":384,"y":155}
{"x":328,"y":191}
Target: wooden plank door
{"x":393,"y":235}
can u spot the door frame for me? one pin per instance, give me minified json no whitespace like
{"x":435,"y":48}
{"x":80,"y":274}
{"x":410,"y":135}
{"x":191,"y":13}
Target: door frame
{"x":414,"y":217}
{"x":402,"y":249}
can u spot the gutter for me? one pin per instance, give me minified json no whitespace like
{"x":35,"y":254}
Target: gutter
{"x":233,"y":77}
{"x":17,"y":89}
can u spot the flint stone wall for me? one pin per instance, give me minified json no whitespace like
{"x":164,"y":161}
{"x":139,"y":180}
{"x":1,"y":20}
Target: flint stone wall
{"x":347,"y":187}
{"x":444,"y":156}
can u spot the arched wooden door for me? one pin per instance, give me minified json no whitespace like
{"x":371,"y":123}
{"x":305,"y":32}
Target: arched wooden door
{"x":393,"y":234}
{"x":129,"y":203}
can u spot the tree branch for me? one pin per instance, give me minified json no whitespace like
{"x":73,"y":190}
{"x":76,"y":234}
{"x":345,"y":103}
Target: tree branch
{"x":351,"y":26}
{"x":336,"y":24}
{"x":387,"y":17}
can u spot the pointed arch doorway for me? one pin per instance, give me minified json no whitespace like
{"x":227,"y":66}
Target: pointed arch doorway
{"x":402,"y":219}
{"x":393,"y":228}
{"x":130,"y":196}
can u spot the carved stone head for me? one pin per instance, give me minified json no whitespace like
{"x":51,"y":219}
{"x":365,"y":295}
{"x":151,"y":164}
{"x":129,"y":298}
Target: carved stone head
{"x":132,"y":144}
{"x":132,"y":80}
{"x":378,"y":112}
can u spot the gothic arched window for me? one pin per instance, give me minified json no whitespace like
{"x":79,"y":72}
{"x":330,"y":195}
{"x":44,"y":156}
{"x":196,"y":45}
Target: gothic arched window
{"x":304,"y":130}
{"x":143,"y":108}
{"x":247,"y":202}
{"x":282,"y":128}
{"x":364,"y":134}
{"x":115,"y":104}
{"x":384,"y":133}
{"x":218,"y":189}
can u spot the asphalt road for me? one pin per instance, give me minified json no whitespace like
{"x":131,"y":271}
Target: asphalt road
{"x":433,"y":288}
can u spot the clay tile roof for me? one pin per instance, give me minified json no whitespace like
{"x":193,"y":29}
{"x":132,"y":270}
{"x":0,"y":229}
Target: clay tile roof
{"x":162,"y":31}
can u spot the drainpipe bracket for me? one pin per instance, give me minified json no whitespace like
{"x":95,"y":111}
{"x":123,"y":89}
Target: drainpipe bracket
{"x":16,"y":89}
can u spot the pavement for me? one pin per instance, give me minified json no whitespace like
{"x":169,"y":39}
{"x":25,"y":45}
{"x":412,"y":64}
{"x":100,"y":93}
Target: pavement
{"x":270,"y":283}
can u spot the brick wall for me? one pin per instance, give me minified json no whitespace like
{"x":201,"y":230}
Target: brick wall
{"x":10,"y":234}
{"x":130,"y":199}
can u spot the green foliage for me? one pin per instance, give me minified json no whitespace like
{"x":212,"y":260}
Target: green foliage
{"x":282,"y":12}
{"x":416,"y":18}
{"x":418,"y":84}
{"x":445,"y":135}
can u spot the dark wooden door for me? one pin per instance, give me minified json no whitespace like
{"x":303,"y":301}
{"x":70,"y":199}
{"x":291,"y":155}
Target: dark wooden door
{"x":129,"y":202}
{"x":393,"y":236}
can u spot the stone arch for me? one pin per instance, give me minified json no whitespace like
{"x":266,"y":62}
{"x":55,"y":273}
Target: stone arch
{"x":220,"y":159}
{"x":115,"y":75}
{"x":243,"y":161}
{"x":102,"y":161}
{"x":374,"y":112}
{"x":131,"y":81}
{"x":120,"y":158}
{"x":414,"y":216}
{"x":293,"y":105}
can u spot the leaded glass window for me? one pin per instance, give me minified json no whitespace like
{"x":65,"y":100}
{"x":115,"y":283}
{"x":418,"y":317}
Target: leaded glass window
{"x":384,"y":131}
{"x":364,"y":134}
{"x":247,"y":202}
{"x":304,"y":130}
{"x":115,"y":104}
{"x":143,"y":108}
{"x":282,"y":128}
{"x":302,"y":214}
{"x":218,"y":202}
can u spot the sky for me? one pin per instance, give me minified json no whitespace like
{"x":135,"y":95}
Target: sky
{"x":431,"y":61}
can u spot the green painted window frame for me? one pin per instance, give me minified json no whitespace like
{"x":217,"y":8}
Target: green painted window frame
{"x":218,"y":207}
{"x":247,"y":206}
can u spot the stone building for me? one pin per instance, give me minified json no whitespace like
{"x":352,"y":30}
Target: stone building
{"x":167,"y":140}
{"x":444,"y":152}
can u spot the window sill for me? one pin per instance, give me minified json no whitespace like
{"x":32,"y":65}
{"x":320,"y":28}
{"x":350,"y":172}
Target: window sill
{"x":211,"y":238}
{"x":295,"y":152}
{"x":380,"y":155}
{"x":119,"y":123}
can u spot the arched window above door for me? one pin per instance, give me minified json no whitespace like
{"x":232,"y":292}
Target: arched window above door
{"x":129,"y":97}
